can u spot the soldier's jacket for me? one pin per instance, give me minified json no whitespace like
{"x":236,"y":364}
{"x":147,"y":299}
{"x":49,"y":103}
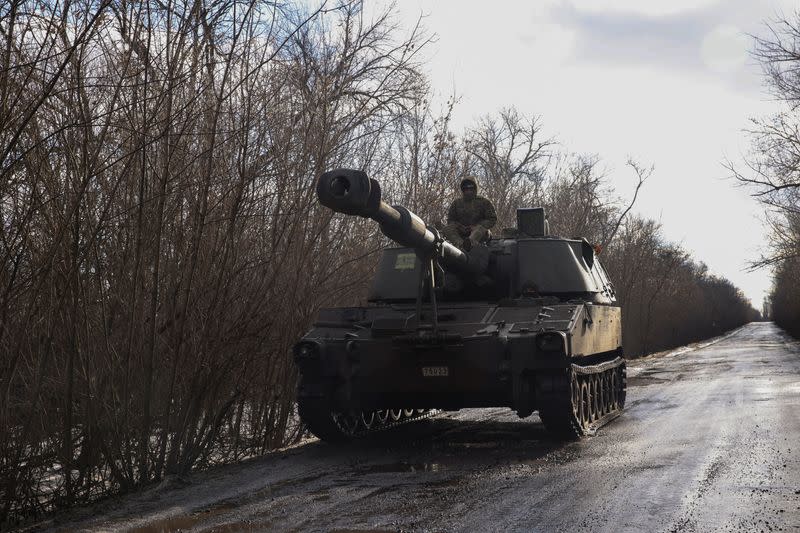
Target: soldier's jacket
{"x":479,"y":210}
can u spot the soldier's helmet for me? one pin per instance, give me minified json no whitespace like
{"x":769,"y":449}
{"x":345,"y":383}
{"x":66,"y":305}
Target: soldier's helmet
{"x":467,"y":182}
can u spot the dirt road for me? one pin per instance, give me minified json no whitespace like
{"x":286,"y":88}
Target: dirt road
{"x":710,"y":441}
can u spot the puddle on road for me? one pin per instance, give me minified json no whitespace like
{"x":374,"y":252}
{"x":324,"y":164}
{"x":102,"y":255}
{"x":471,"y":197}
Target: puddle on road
{"x":238,"y":527}
{"x":187,"y":522}
{"x":474,"y":445}
{"x":191,"y":520}
{"x":364,"y":531}
{"x":654,"y":403}
{"x":447,"y":482}
{"x":169,"y":525}
{"x":401,"y":467}
{"x":645,"y":379}
{"x":183,"y":522}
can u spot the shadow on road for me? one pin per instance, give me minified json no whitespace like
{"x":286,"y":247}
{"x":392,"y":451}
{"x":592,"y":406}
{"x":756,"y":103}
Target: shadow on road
{"x":472,"y":441}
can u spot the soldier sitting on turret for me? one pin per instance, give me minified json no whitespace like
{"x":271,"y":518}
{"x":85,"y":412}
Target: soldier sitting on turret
{"x":469,"y":217}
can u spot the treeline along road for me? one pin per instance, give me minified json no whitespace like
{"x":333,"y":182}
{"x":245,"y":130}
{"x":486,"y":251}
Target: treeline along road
{"x":770,"y":173}
{"x":161,"y":247}
{"x":708,"y":442}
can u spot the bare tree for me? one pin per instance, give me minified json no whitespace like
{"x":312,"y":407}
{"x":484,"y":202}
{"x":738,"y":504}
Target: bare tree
{"x":510,"y":155}
{"x":642,"y":175}
{"x":772,"y":168}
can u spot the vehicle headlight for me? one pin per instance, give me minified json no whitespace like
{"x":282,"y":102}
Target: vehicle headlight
{"x":306,"y":350}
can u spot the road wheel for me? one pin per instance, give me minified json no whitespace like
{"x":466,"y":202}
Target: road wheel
{"x":349,"y":421}
{"x":367,"y":419}
{"x":586,"y":405}
{"x":575,"y":396}
{"x":592,"y":386}
{"x":605,"y":390}
{"x":613,"y":388}
{"x":621,"y":385}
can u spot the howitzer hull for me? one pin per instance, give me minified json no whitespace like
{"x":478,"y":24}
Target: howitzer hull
{"x":359,"y":363}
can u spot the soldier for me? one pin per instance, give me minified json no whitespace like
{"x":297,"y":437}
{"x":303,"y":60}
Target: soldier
{"x":469,"y":217}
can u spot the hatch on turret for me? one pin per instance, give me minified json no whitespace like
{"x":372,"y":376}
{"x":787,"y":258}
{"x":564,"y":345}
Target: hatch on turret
{"x":532,"y":221}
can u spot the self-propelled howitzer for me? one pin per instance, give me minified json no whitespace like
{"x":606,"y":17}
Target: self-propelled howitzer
{"x":524,"y":320}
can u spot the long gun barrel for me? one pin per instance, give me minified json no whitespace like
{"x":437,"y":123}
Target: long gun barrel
{"x":353,"y":193}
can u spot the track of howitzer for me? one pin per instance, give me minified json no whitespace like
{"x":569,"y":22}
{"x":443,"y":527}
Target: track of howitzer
{"x":709,"y":441}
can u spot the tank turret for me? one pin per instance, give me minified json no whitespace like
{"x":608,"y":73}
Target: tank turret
{"x":526,"y":320}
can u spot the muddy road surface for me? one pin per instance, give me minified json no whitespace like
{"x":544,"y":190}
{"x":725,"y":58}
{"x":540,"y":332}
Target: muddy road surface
{"x":709,"y":441}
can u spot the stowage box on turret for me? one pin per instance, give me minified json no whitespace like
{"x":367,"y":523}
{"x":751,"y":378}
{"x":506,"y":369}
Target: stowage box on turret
{"x":526,"y":321}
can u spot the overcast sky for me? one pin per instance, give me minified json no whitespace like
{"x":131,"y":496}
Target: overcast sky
{"x":670,"y":83}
